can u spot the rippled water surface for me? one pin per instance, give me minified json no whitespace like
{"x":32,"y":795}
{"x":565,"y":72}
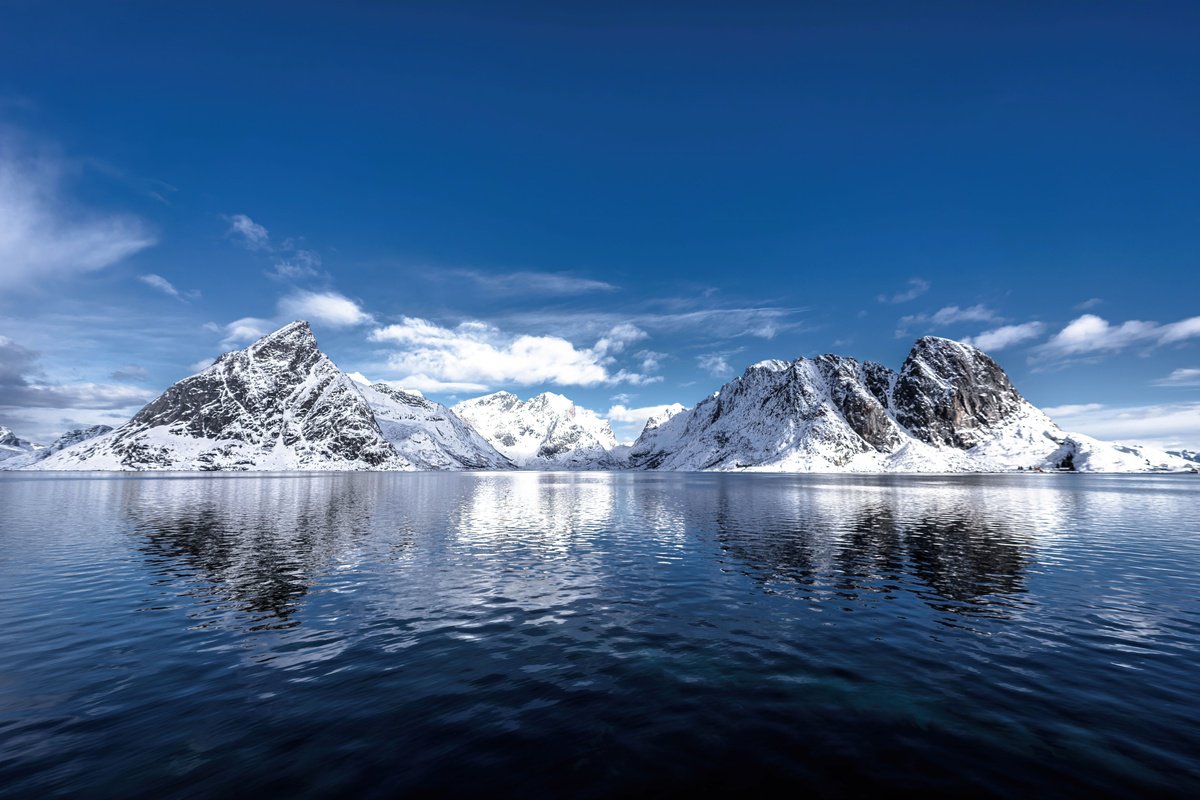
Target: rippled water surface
{"x":593,"y":634}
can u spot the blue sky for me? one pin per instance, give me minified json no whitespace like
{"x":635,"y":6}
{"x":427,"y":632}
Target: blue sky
{"x":620,"y":203}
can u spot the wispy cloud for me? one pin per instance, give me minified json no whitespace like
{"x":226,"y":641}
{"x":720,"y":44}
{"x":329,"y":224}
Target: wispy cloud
{"x":166,"y":287}
{"x":1089,"y":303}
{"x":764,"y":322}
{"x":295,"y":265}
{"x":44,"y":235}
{"x":1091,"y":335}
{"x":948,"y":315}
{"x":242,"y":331}
{"x":292,"y":262}
{"x":1005,"y":336}
{"x":1186,"y":376}
{"x":248,"y":233}
{"x":533,"y":283}
{"x":916,"y":288}
{"x":717,"y":363}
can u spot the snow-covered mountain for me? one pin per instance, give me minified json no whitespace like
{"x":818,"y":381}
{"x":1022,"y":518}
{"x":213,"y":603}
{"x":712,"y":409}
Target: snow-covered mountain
{"x":13,"y":446}
{"x":951,"y":408}
{"x":544,"y":432}
{"x":427,"y":434}
{"x":68,"y":439}
{"x":1186,"y":455}
{"x":279,"y":404}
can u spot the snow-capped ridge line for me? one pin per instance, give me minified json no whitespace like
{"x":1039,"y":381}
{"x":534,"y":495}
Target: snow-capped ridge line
{"x":282,"y":404}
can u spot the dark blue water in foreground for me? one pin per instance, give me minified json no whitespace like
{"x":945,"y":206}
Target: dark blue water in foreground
{"x":594,"y":634}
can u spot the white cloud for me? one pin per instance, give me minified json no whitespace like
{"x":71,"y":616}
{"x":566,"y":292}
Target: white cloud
{"x":166,"y":287}
{"x":1005,"y":336}
{"x":241,"y":331}
{"x":617,"y":339}
{"x":715,"y":364}
{"x":1090,"y":334}
{"x":726,"y":323}
{"x":637,"y":416}
{"x":475,"y":355}
{"x":916,"y":288}
{"x":628,"y":423}
{"x":1186,"y":376}
{"x":1179,"y":331}
{"x":947,"y":315}
{"x":201,"y":365}
{"x":1090,"y":303}
{"x":329,"y":308}
{"x":1169,"y":426}
{"x":44,"y":236}
{"x":423,"y":383}
{"x":529,"y":282}
{"x":297,"y":265}
{"x":252,"y":235}
{"x":1071,"y":409}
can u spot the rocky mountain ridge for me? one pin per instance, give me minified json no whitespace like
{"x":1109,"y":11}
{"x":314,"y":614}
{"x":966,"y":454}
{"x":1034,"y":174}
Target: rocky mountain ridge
{"x":950,"y":408}
{"x":282,"y":404}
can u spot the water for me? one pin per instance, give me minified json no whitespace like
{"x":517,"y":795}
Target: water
{"x":595,"y":634}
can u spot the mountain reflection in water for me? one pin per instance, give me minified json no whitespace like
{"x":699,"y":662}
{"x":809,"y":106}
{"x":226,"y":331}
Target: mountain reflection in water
{"x":597,"y":634}
{"x":259,"y":545}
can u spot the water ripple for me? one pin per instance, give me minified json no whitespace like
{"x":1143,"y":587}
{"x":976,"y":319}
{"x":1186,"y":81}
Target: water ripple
{"x":598,"y":634}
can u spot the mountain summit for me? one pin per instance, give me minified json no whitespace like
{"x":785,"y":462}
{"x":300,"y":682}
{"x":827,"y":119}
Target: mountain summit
{"x":951,"y":408}
{"x":279,"y":404}
{"x":547,"y":431}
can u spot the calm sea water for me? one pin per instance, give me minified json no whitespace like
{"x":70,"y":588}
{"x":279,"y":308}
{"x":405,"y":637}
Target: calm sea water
{"x":594,"y":634}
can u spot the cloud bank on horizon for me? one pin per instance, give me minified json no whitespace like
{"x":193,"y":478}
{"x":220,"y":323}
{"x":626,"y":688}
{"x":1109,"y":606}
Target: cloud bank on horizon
{"x":495,"y":238}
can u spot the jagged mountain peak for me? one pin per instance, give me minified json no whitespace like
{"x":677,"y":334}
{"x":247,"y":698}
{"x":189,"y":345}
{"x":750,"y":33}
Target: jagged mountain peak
{"x":547,"y":431}
{"x":949,"y":393}
{"x":950,"y":408}
{"x":279,"y":403}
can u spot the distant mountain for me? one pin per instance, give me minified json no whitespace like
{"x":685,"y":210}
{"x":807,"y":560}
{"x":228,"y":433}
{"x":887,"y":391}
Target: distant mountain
{"x":12,"y":446}
{"x":279,"y":404}
{"x":544,"y":432}
{"x":427,"y":434}
{"x":1187,"y":455}
{"x":950,"y":408}
{"x":68,"y":439}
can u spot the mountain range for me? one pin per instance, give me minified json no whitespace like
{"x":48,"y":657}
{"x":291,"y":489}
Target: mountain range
{"x":282,"y":404}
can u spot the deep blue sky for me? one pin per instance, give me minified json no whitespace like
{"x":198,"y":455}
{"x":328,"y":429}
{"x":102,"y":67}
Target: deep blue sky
{"x":719,"y":183}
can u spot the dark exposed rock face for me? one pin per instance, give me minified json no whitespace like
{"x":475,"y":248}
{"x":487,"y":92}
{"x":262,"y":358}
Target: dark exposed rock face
{"x":833,"y":412}
{"x":860,"y":395}
{"x":280,"y":403}
{"x":949,"y":393}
